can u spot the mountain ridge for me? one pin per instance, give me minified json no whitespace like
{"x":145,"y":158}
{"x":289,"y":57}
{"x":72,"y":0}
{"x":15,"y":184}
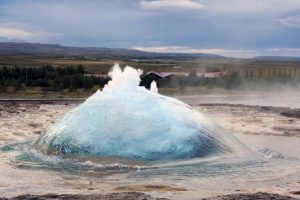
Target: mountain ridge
{"x":277,"y":58}
{"x":38,"y":49}
{"x":21,"y":48}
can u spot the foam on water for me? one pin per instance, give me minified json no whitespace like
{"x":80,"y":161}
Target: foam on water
{"x":128,"y":121}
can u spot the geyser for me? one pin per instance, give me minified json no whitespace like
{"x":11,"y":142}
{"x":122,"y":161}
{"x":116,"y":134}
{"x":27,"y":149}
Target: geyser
{"x":128,"y":121}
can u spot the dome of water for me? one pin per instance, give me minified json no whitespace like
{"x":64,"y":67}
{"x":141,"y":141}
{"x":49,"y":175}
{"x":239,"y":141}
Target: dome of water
{"x":128,"y":121}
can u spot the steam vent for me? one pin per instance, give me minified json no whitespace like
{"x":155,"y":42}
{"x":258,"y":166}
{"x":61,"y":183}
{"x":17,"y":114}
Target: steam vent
{"x":128,"y":121}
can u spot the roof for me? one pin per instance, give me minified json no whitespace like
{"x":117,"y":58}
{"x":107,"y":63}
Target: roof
{"x":205,"y":74}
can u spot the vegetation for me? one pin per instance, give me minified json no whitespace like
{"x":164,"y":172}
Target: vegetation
{"x":70,"y":78}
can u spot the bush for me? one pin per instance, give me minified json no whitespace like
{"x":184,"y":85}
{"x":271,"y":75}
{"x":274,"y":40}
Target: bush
{"x":95,"y":88}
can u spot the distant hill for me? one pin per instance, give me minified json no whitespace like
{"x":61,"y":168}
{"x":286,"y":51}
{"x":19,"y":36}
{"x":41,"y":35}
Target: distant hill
{"x":36,"y":49}
{"x":277,"y":58}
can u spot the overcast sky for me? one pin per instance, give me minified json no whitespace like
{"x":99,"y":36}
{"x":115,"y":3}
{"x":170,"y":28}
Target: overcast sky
{"x":239,"y":28}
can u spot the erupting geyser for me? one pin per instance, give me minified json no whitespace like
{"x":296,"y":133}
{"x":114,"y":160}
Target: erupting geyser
{"x":128,"y":121}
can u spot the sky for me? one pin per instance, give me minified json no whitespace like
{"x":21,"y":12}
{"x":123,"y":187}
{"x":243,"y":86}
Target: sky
{"x":234,"y":28}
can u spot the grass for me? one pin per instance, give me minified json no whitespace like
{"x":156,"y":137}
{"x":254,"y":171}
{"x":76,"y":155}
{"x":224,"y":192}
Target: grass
{"x":104,"y":65}
{"x":34,"y":92}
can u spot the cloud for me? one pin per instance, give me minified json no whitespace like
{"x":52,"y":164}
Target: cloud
{"x":222,"y":26}
{"x":12,"y":33}
{"x":236,"y":53}
{"x":284,"y":49}
{"x":291,"y":21}
{"x":254,"y":6}
{"x":171,"y":5}
{"x":242,"y":53}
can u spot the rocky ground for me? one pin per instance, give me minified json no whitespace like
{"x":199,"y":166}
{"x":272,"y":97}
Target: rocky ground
{"x":19,"y":122}
{"x":255,"y":120}
{"x":255,"y":196}
{"x":142,"y":196}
